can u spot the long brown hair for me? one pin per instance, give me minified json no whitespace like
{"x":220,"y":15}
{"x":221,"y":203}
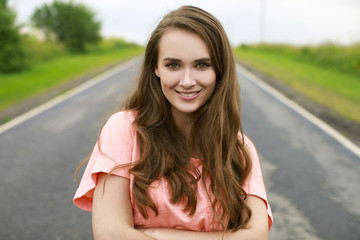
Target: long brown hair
{"x":165,"y":151}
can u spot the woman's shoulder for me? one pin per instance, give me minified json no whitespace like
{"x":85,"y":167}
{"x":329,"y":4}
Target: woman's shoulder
{"x":249,"y":146}
{"x":127,"y":116}
{"x":246,"y":141}
{"x":121,"y":119}
{"x":118,"y":124}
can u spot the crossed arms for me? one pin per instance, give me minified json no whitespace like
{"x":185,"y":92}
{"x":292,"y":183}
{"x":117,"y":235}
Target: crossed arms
{"x":112,"y":217}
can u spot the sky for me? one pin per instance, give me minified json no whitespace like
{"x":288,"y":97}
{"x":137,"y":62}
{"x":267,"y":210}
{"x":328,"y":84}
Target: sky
{"x":296,"y":22}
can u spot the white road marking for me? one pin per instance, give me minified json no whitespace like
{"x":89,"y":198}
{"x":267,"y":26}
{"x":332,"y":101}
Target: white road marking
{"x":300,"y":110}
{"x":61,"y":98}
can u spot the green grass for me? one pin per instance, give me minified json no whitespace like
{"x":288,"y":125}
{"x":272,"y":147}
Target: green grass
{"x":43,"y":77}
{"x":343,"y":58}
{"x":327,"y":86}
{"x":42,"y":51}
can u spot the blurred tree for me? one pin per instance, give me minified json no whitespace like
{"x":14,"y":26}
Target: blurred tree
{"x":70,"y":23}
{"x":12,"y":54}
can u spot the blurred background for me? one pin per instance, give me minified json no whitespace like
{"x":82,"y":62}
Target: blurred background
{"x":290,"y":35}
{"x":292,"y":22}
{"x":307,"y":50}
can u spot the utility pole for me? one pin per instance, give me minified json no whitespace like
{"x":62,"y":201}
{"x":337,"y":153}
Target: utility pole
{"x":262,"y":21}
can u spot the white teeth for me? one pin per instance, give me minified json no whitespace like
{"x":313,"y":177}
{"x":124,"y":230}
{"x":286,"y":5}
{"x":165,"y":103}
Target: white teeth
{"x":188,"y":94}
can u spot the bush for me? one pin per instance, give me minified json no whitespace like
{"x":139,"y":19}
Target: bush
{"x":111,"y":44}
{"x":12,"y":54}
{"x":42,"y":51}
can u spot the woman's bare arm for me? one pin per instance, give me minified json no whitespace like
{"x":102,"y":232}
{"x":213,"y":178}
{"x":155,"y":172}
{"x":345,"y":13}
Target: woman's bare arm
{"x":257,"y":227}
{"x":112,"y":216}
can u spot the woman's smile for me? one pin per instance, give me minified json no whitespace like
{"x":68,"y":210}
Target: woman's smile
{"x":188,"y":95}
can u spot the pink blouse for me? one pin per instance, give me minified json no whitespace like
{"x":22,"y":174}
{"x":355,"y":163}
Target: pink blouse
{"x":119,"y":146}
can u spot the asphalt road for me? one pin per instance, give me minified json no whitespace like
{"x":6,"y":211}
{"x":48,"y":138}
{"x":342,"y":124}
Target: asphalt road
{"x":311,"y":179}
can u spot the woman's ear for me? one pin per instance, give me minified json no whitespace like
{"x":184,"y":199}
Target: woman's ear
{"x":157,"y":73}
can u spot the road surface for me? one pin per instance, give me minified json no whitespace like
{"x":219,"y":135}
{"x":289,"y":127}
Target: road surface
{"x":311,"y":179}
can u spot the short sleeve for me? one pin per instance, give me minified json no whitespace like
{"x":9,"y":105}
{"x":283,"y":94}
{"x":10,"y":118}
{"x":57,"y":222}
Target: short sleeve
{"x":254,"y":184}
{"x":114,"y":147}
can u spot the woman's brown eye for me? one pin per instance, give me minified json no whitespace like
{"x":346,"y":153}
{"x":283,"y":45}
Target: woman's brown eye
{"x":202,"y":65}
{"x":173,"y":65}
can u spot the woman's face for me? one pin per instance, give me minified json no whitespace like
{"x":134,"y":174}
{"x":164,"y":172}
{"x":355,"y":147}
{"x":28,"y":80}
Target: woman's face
{"x":185,"y":70}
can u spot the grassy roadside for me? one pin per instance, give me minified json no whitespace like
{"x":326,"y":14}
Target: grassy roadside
{"x":18,"y":87}
{"x":332,"y":88}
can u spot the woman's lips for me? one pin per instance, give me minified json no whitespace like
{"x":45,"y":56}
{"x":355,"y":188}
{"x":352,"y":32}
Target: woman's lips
{"x":188,"y":95}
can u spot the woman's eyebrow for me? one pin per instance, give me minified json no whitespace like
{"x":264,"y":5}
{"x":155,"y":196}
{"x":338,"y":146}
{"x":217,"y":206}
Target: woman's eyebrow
{"x":171,"y":59}
{"x":203,"y":60}
{"x":178,"y":60}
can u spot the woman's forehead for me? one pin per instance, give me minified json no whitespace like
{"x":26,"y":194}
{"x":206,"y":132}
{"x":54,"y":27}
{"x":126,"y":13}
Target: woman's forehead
{"x":183,"y":45}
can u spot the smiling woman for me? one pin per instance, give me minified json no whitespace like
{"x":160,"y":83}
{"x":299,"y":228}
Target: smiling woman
{"x":186,"y":75}
{"x":175,"y":163}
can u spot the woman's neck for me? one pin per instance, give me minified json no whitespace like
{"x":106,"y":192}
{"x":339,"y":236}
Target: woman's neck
{"x":183,"y":121}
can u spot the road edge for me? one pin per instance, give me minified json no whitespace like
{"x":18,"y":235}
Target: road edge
{"x":300,"y":110}
{"x":64,"y":96}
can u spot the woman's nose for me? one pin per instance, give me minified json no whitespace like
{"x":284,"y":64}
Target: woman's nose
{"x":187,"y":80}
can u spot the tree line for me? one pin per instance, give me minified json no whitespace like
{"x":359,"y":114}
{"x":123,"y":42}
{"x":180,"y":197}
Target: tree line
{"x":72,"y":24}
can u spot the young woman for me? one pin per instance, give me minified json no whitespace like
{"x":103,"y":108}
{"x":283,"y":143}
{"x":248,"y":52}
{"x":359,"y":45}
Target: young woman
{"x":174,"y":163}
